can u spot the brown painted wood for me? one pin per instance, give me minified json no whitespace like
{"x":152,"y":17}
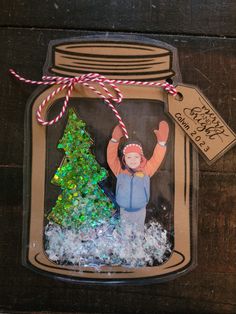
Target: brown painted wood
{"x":11,"y":186}
{"x":210,"y":287}
{"x":217,"y":223}
{"x":156,"y":16}
{"x":207,"y":62}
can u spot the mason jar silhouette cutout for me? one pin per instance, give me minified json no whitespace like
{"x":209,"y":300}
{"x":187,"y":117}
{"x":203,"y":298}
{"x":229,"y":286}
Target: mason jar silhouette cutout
{"x":173,"y":188}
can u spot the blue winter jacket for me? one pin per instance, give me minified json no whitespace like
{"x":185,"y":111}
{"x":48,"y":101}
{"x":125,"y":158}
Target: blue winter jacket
{"x":132,"y":192}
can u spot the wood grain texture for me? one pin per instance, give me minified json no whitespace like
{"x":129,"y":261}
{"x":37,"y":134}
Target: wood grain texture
{"x":210,"y":288}
{"x":205,"y":61}
{"x":11,"y":185}
{"x":157,"y":16}
{"x":208,"y":63}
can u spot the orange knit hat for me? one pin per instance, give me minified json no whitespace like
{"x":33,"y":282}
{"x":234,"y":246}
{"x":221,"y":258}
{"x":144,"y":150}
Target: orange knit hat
{"x":133,"y":148}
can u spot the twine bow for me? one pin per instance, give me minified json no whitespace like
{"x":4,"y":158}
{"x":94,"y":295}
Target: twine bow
{"x":69,"y":83}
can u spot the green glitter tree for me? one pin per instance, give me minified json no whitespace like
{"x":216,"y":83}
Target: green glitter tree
{"x":82,"y":202}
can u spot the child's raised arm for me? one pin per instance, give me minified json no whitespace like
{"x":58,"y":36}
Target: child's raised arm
{"x":160,"y":150}
{"x":112,"y":150}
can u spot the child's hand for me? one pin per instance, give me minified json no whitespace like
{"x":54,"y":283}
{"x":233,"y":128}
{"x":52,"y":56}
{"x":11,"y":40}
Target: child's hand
{"x":163,"y":132}
{"x":117,"y":133}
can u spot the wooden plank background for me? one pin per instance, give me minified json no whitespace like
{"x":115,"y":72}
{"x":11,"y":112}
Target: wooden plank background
{"x":204,"y":34}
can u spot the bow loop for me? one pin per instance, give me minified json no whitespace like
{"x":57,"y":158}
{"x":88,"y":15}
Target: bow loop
{"x":110,"y":91}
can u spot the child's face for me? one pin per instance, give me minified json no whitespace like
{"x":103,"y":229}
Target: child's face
{"x":133,"y":160}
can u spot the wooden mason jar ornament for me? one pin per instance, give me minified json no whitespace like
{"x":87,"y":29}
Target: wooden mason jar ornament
{"x":110,"y":195}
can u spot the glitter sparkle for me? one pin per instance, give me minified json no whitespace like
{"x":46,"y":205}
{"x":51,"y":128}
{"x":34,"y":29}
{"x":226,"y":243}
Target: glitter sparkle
{"x":81,"y":199}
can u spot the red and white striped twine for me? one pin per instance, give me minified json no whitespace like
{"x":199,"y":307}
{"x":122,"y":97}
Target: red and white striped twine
{"x":86,"y":80}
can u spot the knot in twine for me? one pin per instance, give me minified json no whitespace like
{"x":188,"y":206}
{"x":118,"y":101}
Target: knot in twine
{"x":69,"y":83}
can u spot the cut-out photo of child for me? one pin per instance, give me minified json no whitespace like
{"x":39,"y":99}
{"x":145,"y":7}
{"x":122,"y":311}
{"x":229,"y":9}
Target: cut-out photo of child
{"x":133,"y":172}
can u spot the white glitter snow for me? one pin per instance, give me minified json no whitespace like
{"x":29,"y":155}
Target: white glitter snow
{"x":107,"y":245}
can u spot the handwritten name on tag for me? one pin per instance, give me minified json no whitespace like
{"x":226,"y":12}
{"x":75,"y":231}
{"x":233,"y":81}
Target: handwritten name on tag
{"x":200,"y":121}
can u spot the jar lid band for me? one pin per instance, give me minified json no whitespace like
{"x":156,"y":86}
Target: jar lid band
{"x":126,"y":61}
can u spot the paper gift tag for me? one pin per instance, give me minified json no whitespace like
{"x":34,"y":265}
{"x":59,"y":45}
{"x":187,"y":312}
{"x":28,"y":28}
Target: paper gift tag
{"x":200,"y":121}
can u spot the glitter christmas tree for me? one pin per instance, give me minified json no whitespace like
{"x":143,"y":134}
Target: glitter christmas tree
{"x":81,"y":202}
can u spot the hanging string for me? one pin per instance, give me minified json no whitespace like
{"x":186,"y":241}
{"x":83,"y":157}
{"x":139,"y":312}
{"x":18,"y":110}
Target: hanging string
{"x":87,"y":80}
